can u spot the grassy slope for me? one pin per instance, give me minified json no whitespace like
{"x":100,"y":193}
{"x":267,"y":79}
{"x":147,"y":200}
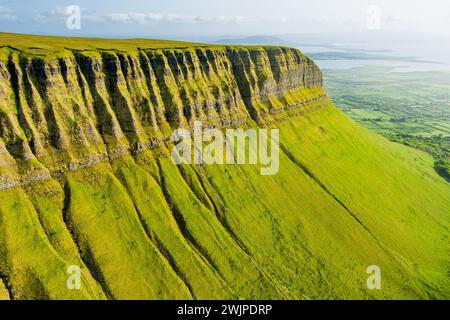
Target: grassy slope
{"x":4,"y":295}
{"x":35,"y":268}
{"x":54,"y":44}
{"x":47,"y":46}
{"x":344,"y":199}
{"x":411,"y":108}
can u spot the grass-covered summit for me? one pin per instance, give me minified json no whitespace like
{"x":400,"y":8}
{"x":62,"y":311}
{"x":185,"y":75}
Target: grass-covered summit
{"x":49,"y":44}
{"x":85,"y":179}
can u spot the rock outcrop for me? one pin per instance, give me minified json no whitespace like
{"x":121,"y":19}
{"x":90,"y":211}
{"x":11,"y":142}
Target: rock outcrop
{"x":77,"y":108}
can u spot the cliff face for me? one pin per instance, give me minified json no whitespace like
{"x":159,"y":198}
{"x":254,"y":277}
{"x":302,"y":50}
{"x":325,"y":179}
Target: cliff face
{"x":86,"y":181}
{"x":79,"y":107}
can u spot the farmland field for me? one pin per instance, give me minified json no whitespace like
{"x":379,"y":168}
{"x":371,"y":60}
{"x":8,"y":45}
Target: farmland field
{"x":412,"y":108}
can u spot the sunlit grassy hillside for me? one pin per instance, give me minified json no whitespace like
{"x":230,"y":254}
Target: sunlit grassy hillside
{"x":86,"y":180}
{"x":344,"y":199}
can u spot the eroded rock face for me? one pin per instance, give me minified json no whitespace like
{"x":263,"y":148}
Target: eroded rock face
{"x":86,"y":181}
{"x":71,"y":111}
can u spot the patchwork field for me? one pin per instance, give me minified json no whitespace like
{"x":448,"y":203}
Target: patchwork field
{"x":412,"y":108}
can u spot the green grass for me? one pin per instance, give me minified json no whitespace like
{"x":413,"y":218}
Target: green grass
{"x":140,"y":227}
{"x":4,"y":295}
{"x":344,"y":199}
{"x":410,"y":108}
{"x":108,"y":230}
{"x":51,"y":46}
{"x":35,"y":268}
{"x":413,"y":103}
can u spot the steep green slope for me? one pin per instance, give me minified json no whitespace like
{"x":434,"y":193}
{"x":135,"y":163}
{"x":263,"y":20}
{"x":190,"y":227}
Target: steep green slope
{"x":86,"y":180}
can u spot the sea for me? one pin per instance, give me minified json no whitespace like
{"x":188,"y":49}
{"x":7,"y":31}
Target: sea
{"x":414,"y":57}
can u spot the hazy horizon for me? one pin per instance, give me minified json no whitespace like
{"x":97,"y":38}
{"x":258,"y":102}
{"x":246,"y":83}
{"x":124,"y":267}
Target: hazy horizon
{"x":202,"y":19}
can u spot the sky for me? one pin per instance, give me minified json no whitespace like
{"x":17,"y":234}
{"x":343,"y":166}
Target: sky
{"x":212,"y":18}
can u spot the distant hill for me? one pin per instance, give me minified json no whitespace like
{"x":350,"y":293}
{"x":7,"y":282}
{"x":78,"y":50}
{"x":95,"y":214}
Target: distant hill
{"x":257,"y":40}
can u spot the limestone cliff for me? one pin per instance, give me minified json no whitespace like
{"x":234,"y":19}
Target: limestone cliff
{"x":72,"y":109}
{"x":86,"y":181}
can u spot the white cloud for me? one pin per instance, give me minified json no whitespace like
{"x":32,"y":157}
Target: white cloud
{"x":59,"y":13}
{"x":144,"y":18}
{"x":92,"y":18}
{"x":6,"y":14}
